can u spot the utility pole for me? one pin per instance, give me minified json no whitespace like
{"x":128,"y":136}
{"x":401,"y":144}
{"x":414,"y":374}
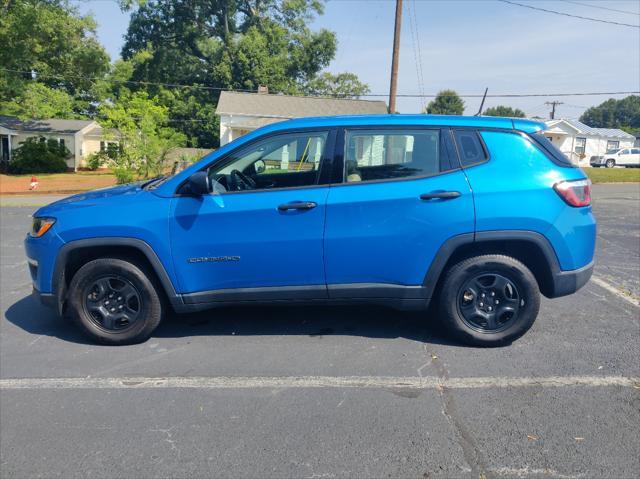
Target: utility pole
{"x":553,"y":107}
{"x":394,"y":60}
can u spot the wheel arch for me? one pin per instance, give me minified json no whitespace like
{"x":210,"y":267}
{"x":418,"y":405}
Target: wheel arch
{"x":77,"y":253}
{"x":529,"y":247}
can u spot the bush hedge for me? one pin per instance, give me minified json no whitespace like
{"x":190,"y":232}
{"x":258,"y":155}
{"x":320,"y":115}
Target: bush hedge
{"x":38,"y":155}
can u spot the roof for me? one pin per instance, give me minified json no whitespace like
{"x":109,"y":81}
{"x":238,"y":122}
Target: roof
{"x":529,"y":126}
{"x":44,"y":126}
{"x":284,"y":106}
{"x":587,"y":130}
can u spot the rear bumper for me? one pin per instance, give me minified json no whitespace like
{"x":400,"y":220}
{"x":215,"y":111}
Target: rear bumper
{"x":568,"y":282}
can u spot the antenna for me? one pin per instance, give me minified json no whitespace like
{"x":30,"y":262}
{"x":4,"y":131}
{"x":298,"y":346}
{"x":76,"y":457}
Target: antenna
{"x":482,"y":104}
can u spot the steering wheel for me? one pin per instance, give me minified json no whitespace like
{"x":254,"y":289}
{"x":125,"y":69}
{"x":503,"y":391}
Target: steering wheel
{"x":240,"y":181}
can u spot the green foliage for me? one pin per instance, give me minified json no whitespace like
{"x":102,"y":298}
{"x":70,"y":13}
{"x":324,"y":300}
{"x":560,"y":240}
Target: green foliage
{"x":447,"y":102}
{"x":623,"y":114}
{"x":233,"y":44}
{"x":502,"y":110}
{"x":143,"y":134}
{"x":124,"y":175}
{"x":37,"y":155}
{"x":50,"y":39}
{"x":39,"y":101}
{"x":342,"y":85}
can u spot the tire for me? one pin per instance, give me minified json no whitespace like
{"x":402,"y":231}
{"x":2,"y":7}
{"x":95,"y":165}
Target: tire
{"x":610,"y":163}
{"x":135,"y":307}
{"x":511,"y":298}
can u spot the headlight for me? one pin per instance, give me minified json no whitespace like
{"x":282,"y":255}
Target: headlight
{"x":40,"y":226}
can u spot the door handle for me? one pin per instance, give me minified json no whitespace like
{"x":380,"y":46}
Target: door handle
{"x":297,"y":205}
{"x":440,"y":195}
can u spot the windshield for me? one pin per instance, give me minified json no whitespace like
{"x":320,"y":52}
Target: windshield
{"x":612,"y":151}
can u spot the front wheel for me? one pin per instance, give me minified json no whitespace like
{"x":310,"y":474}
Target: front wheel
{"x":489,"y":300}
{"x":115,"y":301}
{"x":610,"y":163}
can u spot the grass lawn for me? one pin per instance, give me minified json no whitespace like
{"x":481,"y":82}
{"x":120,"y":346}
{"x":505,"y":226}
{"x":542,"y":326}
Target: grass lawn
{"x":613,"y":175}
{"x":56,"y":183}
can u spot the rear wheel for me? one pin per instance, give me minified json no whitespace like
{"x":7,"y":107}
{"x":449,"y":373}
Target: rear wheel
{"x":489,"y":300}
{"x":115,"y":301}
{"x":610,"y":163}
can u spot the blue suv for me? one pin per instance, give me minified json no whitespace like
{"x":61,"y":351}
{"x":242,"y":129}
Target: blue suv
{"x":476,"y":215}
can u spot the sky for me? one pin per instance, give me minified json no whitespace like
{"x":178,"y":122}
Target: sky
{"x":467,"y":45}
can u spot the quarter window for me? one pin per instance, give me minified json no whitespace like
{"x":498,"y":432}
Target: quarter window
{"x":372,"y":155}
{"x":469,"y":147}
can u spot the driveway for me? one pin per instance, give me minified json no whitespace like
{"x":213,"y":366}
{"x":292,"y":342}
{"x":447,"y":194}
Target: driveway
{"x":329,"y":392}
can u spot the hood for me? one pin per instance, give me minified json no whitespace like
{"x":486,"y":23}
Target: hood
{"x":90,"y":198}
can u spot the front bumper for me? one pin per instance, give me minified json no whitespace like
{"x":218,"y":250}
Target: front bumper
{"x":47,"y":299}
{"x":596,"y":161}
{"x":568,"y":282}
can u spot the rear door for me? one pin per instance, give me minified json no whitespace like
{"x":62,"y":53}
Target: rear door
{"x":402,"y":195}
{"x":635,"y":157}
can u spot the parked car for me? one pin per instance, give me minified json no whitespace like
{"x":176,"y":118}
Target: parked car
{"x":628,"y":157}
{"x":477,"y":216}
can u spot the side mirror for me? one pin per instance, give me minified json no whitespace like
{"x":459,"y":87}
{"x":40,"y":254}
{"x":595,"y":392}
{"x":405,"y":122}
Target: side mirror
{"x":198,"y":184}
{"x":259,"y":166}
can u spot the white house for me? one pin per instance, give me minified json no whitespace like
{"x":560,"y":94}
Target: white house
{"x":580,"y":142}
{"x":241,"y":113}
{"x":81,"y":137}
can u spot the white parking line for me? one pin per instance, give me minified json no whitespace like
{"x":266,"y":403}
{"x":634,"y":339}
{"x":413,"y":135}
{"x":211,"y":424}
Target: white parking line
{"x":286,"y":382}
{"x":612,"y":289}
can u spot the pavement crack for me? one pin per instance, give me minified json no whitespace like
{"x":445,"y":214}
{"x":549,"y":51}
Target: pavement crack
{"x":472,"y":454}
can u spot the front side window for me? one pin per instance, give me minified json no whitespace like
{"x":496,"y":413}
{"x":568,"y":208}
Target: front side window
{"x":372,"y":155}
{"x":580,"y":146}
{"x":624,"y":152}
{"x":282,"y":161}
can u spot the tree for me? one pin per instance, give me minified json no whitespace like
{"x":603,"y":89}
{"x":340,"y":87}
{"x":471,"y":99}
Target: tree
{"x":139,"y":123}
{"x":446,"y":102}
{"x":232,"y":44}
{"x":502,"y":110}
{"x":40,"y":101}
{"x":623,"y":114}
{"x":342,"y":85}
{"x":48,"y":43}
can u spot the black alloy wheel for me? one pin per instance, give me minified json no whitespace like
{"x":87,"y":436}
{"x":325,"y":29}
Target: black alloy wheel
{"x":113,"y":303}
{"x":489,"y":302}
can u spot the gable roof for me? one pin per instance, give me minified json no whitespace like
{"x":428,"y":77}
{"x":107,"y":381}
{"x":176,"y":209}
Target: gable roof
{"x":44,"y":126}
{"x":284,"y":106}
{"x":587,"y":130}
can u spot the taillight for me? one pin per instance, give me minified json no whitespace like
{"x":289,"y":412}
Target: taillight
{"x":574,"y":193}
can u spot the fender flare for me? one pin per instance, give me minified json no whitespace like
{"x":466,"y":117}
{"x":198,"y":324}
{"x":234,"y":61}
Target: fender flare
{"x":59,"y":286}
{"x":449,"y":247}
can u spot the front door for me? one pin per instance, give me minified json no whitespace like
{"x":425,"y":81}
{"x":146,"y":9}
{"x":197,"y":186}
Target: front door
{"x":259,"y":234}
{"x":403,"y":195}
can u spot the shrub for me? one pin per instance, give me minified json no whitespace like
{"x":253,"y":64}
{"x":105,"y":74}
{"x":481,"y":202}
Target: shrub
{"x":37,"y":155}
{"x":124,"y":175}
{"x":96,"y":160}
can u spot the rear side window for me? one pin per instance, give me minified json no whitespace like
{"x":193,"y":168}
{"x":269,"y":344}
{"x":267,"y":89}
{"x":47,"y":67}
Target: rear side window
{"x":372,"y":155}
{"x":470,"y":148}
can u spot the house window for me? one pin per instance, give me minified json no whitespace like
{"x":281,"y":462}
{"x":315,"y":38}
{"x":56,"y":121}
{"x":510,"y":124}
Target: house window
{"x":612,"y":145}
{"x":580,"y":146}
{"x":61,"y":142}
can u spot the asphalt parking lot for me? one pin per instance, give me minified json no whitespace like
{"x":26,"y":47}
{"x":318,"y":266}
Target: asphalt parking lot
{"x":329,"y":392}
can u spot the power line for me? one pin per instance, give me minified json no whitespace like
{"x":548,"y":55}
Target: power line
{"x":569,"y":14}
{"x":601,"y":8}
{"x":405,"y":95}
